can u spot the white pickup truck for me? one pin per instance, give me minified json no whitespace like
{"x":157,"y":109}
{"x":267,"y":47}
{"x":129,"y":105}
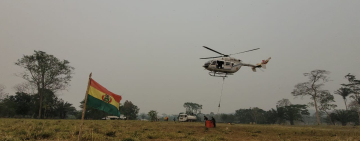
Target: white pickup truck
{"x":122,"y":117}
{"x":187,"y":118}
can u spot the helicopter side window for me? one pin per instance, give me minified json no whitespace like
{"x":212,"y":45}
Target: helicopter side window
{"x":227,"y":63}
{"x":213,"y":63}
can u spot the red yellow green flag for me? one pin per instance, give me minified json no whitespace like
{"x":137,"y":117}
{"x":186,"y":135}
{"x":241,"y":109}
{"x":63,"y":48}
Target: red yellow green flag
{"x":100,"y":98}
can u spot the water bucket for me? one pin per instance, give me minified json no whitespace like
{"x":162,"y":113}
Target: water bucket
{"x":209,"y":124}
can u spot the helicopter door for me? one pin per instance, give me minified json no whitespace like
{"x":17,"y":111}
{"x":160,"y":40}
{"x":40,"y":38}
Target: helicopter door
{"x":219,"y":64}
{"x":227,"y":65}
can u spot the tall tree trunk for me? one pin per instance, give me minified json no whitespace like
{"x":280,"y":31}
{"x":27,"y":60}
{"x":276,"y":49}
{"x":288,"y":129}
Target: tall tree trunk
{"x":41,"y":91}
{"x":291,"y":122}
{"x":328,"y":115}
{"x":40,"y":95}
{"x":45,"y":112}
{"x":343,"y":123}
{"x":316,"y":108}
{"x":357,"y":98}
{"x":317,"y":112}
{"x":345,"y":104}
{"x":359,"y":116}
{"x":331,"y":120}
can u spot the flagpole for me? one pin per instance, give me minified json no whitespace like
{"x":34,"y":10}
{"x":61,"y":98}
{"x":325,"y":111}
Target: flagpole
{"x":84,"y":108}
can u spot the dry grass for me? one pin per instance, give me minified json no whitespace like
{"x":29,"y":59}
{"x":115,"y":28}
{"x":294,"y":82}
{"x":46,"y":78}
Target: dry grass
{"x":97,"y":130}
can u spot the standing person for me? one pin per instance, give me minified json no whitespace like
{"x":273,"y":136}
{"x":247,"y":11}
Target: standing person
{"x":174,"y":119}
{"x":213,"y":120}
{"x":205,"y":119}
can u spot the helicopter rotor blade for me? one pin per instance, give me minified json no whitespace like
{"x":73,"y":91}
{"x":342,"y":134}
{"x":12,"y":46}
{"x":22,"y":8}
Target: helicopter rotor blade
{"x":214,"y":50}
{"x":245,"y":51}
{"x":212,"y":57}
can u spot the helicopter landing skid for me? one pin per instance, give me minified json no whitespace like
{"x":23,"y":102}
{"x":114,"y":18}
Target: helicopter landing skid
{"x":218,"y":74}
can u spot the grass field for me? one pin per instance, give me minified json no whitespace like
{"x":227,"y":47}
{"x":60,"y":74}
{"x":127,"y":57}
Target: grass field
{"x":96,"y":130}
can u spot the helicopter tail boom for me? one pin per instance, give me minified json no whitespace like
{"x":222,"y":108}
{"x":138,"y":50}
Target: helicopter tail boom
{"x":261,"y":65}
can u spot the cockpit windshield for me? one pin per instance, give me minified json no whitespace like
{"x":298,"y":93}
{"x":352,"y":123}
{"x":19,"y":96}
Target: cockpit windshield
{"x":207,"y":63}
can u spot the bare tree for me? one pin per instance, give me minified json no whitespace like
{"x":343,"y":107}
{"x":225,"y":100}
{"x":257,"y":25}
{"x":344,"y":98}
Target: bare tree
{"x":192,"y":108}
{"x":312,"y":88}
{"x":326,"y":103}
{"x":283,"y":102}
{"x":354,"y":105}
{"x":3,"y":94}
{"x":25,"y":87}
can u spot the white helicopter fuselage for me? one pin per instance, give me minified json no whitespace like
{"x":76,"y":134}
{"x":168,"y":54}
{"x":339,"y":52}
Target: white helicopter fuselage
{"x":226,"y":65}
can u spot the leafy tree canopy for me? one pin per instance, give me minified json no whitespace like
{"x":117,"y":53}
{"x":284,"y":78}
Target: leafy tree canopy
{"x":46,"y":72}
{"x":192,"y":108}
{"x":129,"y":110}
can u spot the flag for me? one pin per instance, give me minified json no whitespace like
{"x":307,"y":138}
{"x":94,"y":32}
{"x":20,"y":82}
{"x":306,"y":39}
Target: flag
{"x":100,"y":98}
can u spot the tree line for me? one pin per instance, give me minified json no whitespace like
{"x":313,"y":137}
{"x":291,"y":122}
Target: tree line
{"x":45,"y":75}
{"x":285,"y":112}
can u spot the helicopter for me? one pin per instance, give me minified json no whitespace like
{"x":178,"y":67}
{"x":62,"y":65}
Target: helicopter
{"x":224,"y":65}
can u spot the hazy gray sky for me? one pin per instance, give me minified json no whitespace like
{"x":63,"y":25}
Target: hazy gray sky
{"x":148,"y":51}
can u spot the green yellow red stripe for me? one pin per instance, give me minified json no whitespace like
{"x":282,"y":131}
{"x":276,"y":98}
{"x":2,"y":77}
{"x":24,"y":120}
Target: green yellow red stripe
{"x":100,"y":95}
{"x":101,"y":98}
{"x":100,"y":105}
{"x":97,"y":86}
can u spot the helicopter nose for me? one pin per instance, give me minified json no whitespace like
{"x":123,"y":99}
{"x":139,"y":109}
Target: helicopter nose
{"x":206,"y":65}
